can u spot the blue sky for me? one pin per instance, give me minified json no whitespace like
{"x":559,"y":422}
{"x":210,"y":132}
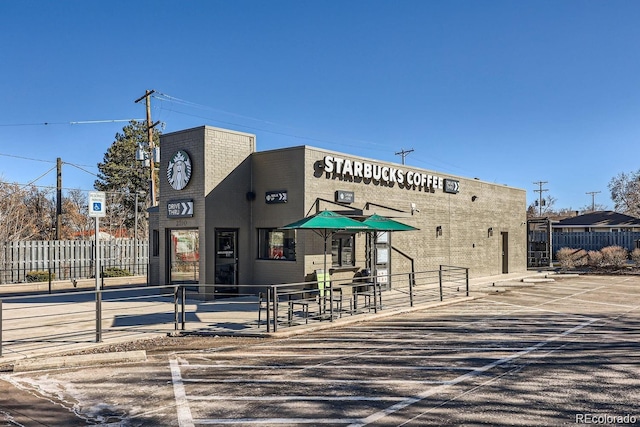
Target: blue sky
{"x":511,"y":92}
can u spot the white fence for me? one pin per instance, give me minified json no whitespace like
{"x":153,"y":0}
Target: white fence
{"x":70,"y":259}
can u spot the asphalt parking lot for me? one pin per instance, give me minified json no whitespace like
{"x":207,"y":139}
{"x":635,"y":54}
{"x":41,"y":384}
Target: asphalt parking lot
{"x":560,"y":353}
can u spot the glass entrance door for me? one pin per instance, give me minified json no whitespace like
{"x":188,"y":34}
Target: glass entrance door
{"x":184,"y":256}
{"x":227,"y":260}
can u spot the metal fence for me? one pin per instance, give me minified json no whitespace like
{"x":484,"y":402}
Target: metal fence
{"x":588,"y":240}
{"x":70,"y":259}
{"x":30,"y":323}
{"x":296,"y":303}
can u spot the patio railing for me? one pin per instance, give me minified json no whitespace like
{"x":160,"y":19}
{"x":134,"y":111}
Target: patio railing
{"x":292,"y":304}
{"x":36,"y":322}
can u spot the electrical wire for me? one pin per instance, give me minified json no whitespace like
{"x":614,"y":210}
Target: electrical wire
{"x":41,"y":160}
{"x":81,"y":122}
{"x":83,"y":170}
{"x":369,"y":144}
{"x":41,"y":176}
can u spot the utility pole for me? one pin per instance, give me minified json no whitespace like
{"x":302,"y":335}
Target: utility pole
{"x":150,"y":126}
{"x":404,"y":153}
{"x":541,"y":190}
{"x":58,"y":197}
{"x":593,"y":199}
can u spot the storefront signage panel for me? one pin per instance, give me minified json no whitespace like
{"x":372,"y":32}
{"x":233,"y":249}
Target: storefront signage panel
{"x":179,"y":170}
{"x":180,"y":208}
{"x":345,"y":196}
{"x":385,"y":175}
{"x":451,"y":186}
{"x":275,"y":197}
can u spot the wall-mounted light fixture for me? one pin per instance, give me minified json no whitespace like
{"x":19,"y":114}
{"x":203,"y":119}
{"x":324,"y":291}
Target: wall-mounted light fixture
{"x":439,"y":230}
{"x":474,"y":198}
{"x":490,"y":232}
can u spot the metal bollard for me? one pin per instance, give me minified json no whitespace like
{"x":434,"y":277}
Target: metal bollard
{"x":467,"y":280}
{"x":183,"y":291}
{"x":175,"y":307}
{"x":98,"y":315}
{"x":268,"y":309}
{"x":0,"y":328}
{"x":411,"y":280}
{"x":275,"y":309}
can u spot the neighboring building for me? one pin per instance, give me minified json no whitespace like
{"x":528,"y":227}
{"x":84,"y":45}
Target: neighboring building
{"x":221,"y":205}
{"x":601,"y":221}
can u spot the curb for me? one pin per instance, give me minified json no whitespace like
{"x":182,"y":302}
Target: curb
{"x":34,"y":364}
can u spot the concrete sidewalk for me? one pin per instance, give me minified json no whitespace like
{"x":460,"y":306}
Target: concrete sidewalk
{"x":62,"y":323}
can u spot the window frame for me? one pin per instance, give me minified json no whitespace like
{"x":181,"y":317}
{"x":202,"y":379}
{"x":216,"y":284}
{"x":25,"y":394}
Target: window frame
{"x":286,"y":251}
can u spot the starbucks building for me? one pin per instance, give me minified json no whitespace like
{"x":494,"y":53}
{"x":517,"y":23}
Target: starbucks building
{"x":222,"y":205}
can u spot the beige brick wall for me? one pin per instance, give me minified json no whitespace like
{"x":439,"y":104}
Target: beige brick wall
{"x":465,"y":223}
{"x":220,"y":173}
{"x":226,"y":168}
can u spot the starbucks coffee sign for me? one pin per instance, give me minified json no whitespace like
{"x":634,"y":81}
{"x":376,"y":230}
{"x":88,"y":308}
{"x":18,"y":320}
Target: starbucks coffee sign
{"x":179,"y":170}
{"x":357,"y":171}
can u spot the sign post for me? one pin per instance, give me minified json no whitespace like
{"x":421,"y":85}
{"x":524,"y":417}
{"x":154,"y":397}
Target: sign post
{"x":97,"y":210}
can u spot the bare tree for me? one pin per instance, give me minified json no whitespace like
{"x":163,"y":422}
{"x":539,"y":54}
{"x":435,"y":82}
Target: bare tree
{"x":75,"y":221}
{"x":21,"y":209}
{"x":625,"y":193}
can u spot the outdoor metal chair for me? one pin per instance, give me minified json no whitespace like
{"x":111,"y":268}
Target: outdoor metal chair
{"x":306,"y":297}
{"x":328,"y":294}
{"x":365,"y":289}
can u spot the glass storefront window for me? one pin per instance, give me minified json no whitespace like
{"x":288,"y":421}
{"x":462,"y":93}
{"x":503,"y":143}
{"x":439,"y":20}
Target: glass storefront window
{"x":342,"y":250}
{"x":185,"y":256}
{"x":277,"y":244}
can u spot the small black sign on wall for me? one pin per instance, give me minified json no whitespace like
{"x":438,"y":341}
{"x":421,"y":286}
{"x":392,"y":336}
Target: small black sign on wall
{"x":345,"y":196}
{"x":180,"y":208}
{"x":451,"y":186}
{"x":272,"y":197}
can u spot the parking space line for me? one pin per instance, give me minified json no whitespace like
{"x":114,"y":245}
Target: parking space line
{"x":309,"y":381}
{"x":441,"y":388}
{"x":275,"y":421}
{"x":288,"y":398}
{"x":606,"y":303}
{"x":182,"y":405}
{"x":328,"y":366}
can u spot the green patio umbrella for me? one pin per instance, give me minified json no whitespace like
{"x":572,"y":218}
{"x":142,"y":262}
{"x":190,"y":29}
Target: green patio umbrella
{"x":381,"y":223}
{"x":326,"y":223}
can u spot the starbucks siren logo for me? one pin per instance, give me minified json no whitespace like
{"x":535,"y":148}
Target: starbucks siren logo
{"x":179,"y":170}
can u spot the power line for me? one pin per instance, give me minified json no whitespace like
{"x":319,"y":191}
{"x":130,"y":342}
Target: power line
{"x":41,"y":160}
{"x":80,"y":122}
{"x":27,"y":158}
{"x":434,"y":162}
{"x":83,"y":170}
{"x":41,"y":176}
{"x":169,"y":98}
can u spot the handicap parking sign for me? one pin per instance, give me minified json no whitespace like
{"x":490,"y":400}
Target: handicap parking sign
{"x":97,"y":204}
